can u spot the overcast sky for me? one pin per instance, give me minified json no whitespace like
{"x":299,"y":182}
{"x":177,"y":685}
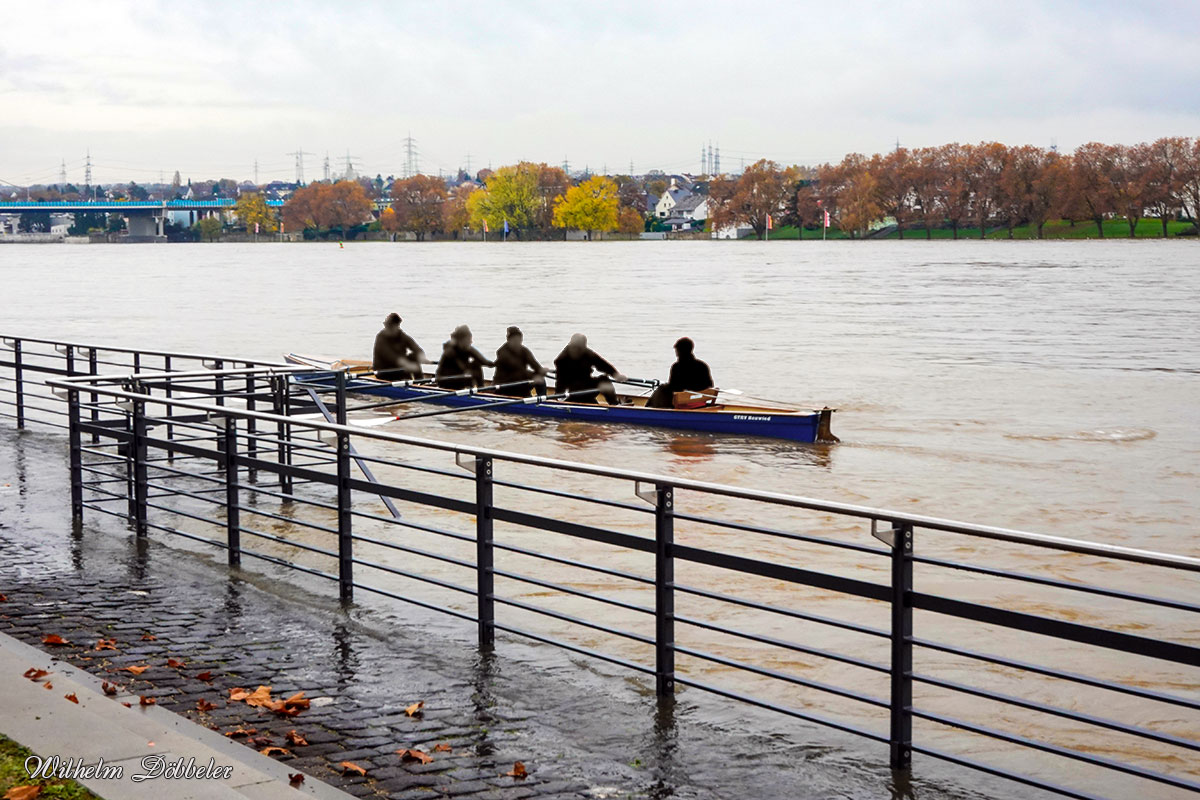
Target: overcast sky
{"x":208,"y":88}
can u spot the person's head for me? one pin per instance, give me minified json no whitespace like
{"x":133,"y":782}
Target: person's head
{"x":514,"y":336}
{"x":577,"y":344}
{"x":684,"y":347}
{"x":392,"y":320}
{"x":462,"y":335}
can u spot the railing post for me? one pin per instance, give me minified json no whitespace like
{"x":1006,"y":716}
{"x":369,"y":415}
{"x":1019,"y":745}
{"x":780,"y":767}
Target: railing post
{"x":70,"y":354}
{"x":141,"y":488}
{"x":233,"y":517}
{"x":345,"y":530}
{"x":20,"y":383}
{"x":251,"y":427}
{"x":170,"y":408}
{"x":94,"y":398}
{"x":279,"y":406}
{"x":664,"y":591}
{"x":900,"y":735}
{"x":76,"y":449}
{"x":484,"y":553}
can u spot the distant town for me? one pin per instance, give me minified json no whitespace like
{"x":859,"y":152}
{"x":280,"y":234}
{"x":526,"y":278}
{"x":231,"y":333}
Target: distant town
{"x":986,"y":190}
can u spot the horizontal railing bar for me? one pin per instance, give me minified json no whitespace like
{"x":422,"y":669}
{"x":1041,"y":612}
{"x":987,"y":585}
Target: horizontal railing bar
{"x":139,"y":351}
{"x":1074,"y":677}
{"x":406,"y":523}
{"x":1101,"y":722}
{"x":413,"y":601}
{"x":789,"y":612}
{"x":574,"y":529}
{"x":770,"y":640}
{"x":1059,"y":584}
{"x":245,"y":530}
{"x":416,"y":576}
{"x":645,"y":509}
{"x":782,"y":676}
{"x":411,"y":495}
{"x":963,"y":761}
{"x":175,"y":492}
{"x":782,"y":572}
{"x":585,"y":651}
{"x":569,"y":590}
{"x":1060,"y":629}
{"x":1038,"y":540}
{"x":791,"y":712}
{"x":637,"y":637}
{"x":512,"y":548}
{"x":1065,"y":752}
{"x":800,"y":537}
{"x":458,"y":562}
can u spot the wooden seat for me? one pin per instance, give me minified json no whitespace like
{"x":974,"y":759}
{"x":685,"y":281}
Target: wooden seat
{"x":693,"y":400}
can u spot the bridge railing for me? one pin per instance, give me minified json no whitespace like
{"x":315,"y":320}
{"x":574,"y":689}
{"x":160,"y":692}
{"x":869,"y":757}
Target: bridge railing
{"x":691,"y":584}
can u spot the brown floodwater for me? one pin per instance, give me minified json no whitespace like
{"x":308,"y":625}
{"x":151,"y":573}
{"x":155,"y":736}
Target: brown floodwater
{"x":1052,"y":387}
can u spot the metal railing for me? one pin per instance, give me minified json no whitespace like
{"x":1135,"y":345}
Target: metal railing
{"x":183,"y":453}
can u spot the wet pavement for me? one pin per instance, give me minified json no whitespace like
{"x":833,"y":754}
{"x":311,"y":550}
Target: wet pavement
{"x":582,"y":729}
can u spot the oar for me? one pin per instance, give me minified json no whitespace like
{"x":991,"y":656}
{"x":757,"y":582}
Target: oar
{"x":534,"y":400}
{"x":649,"y":383}
{"x":442,"y":394}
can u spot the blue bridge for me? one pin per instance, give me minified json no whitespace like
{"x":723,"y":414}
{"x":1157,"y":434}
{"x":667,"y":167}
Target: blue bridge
{"x":143,"y":218}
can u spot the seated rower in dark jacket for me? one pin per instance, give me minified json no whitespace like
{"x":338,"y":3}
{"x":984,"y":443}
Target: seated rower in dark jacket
{"x":461,"y":365}
{"x":396,"y":356}
{"x":688,"y":374}
{"x":514,"y":363}
{"x":573,"y":372}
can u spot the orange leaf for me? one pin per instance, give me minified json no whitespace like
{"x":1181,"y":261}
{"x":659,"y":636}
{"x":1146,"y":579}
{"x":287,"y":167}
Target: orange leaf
{"x":295,"y":778}
{"x":109,"y":688}
{"x":238,"y":693}
{"x":350,"y":766}
{"x":259,"y":697}
{"x":3,"y":598}
{"x":296,"y":739}
{"x":47,"y":685}
{"x":106,"y":644}
{"x":127,"y":705}
{"x":146,"y":701}
{"x":283,"y":751}
{"x":298,"y":700}
{"x":415,"y":708}
{"x":35,"y":674}
{"x":54,"y":639}
{"x":203,"y":705}
{"x":22,"y":793}
{"x":72,"y":698}
{"x":414,"y":755}
{"x":205,"y":676}
{"x":241,"y":732}
{"x":442,"y":748}
{"x":518,"y":770}
{"x":175,"y":663}
{"x":147,"y":637}
{"x":136,"y":670}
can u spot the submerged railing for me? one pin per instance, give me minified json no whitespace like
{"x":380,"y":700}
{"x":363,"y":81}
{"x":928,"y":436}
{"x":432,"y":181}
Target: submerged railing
{"x":194,"y":451}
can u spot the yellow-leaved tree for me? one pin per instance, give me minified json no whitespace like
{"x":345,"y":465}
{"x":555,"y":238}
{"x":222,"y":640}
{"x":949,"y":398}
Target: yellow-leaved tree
{"x":590,"y":206}
{"x":252,"y":209}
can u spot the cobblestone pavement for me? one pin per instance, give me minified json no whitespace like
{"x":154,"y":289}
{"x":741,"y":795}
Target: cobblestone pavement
{"x":581,"y":730}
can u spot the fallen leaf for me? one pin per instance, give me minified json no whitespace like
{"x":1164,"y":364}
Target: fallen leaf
{"x":283,"y":751}
{"x":137,"y":670}
{"x":4,"y":597}
{"x":148,"y":637}
{"x":127,"y":705}
{"x":241,"y":732}
{"x":35,"y":674}
{"x":442,"y":748}
{"x":176,"y":663}
{"x":150,"y":744}
{"x":205,"y":676}
{"x":259,"y":697}
{"x":415,"y":708}
{"x":109,"y":688}
{"x":106,"y":644}
{"x":146,"y":701}
{"x":22,"y":793}
{"x":238,"y":693}
{"x":72,"y":698}
{"x":350,"y":766}
{"x":54,"y":639}
{"x":414,"y":755}
{"x":295,"y":778}
{"x":298,"y":700}
{"x":47,"y":685}
{"x":259,"y":741}
{"x":518,"y":771}
{"x":203,"y":705}
{"x":296,"y":739}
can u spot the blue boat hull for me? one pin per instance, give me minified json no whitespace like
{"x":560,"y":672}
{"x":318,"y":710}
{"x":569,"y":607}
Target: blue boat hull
{"x":791,"y":425}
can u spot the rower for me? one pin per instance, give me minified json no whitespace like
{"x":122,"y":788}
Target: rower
{"x":689,"y":375}
{"x":461,"y":365}
{"x":514,"y":363}
{"x":396,"y":356}
{"x":573,"y":371}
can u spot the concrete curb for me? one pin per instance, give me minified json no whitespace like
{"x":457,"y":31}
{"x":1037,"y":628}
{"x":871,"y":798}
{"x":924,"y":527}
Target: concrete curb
{"x":100,"y":727}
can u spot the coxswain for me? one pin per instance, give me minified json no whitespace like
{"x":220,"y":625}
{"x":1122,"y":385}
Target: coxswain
{"x":461,"y":365}
{"x":514,"y":363}
{"x":396,"y":356}
{"x":688,"y":374}
{"x":573,"y":372}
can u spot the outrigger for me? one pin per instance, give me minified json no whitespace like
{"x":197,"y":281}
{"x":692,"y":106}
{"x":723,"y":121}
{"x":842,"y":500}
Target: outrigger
{"x":713,"y":417}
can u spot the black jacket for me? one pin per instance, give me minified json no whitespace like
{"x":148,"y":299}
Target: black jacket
{"x":457,"y":362}
{"x":391,"y":347}
{"x":514,"y":364}
{"x":574,"y":373}
{"x":690,"y":374}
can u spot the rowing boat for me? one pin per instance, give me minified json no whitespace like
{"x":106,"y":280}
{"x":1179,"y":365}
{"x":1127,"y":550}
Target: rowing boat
{"x":723,"y":418}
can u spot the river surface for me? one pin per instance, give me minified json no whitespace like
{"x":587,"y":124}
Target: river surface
{"x":1047,"y":386}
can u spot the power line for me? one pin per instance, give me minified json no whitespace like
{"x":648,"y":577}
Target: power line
{"x":300,"y":154}
{"x":411,"y":167}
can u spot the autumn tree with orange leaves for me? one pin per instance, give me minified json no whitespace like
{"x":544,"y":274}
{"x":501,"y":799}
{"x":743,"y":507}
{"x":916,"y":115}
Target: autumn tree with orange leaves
{"x":417,"y":203}
{"x":324,"y":206}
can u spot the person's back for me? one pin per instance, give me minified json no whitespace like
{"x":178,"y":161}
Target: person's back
{"x":515,"y":363}
{"x":461,"y":365}
{"x":395,"y":355}
{"x":688,"y":374}
{"x":573,"y":371}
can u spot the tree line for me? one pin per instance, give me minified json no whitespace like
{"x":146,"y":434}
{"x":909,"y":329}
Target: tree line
{"x":969,"y":185}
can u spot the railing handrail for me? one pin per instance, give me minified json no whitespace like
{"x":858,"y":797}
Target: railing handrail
{"x":1119,"y":552}
{"x":144,"y":351}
